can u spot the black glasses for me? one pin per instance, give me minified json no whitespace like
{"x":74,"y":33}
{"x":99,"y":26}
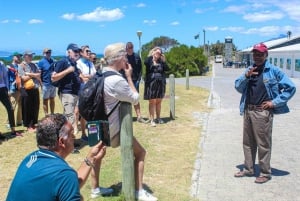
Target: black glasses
{"x":88,"y":51}
{"x":49,"y":52}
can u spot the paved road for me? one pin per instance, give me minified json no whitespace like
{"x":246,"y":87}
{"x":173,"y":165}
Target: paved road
{"x":221,"y":151}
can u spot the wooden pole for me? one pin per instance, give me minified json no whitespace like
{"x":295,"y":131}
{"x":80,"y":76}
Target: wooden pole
{"x":187,"y":77}
{"x":126,"y":135}
{"x":172,"y":96}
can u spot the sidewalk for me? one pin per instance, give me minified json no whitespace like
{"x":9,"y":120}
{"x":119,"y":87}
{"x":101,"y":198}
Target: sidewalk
{"x":221,"y":153}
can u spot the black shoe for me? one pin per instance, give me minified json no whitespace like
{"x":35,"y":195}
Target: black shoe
{"x":2,"y":137}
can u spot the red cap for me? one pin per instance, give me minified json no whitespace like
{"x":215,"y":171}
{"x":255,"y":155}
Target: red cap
{"x":260,"y":47}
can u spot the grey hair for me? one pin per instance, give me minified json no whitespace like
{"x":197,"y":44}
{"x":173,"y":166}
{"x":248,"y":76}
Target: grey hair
{"x":114,"y":52}
{"x":50,"y":129}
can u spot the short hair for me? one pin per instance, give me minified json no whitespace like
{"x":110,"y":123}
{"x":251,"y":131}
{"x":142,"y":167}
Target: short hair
{"x":114,"y":52}
{"x":49,"y":129}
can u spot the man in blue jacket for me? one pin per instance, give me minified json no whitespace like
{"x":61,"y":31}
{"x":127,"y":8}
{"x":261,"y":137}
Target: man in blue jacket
{"x":265,"y":90}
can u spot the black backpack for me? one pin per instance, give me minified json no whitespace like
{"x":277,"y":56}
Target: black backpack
{"x":91,"y":98}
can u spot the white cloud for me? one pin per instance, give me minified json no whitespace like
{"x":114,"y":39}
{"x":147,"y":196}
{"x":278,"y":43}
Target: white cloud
{"x":149,"y":22}
{"x":214,"y":28}
{"x":101,"y":14}
{"x":68,"y":16}
{"x":35,"y":21}
{"x":5,"y":21}
{"x":175,"y":23}
{"x":263,"y":16}
{"x":141,"y":5}
{"x":233,"y":29}
{"x":264,"y":31}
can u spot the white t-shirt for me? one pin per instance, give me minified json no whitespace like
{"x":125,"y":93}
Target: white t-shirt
{"x":116,"y":89}
{"x":86,"y":66}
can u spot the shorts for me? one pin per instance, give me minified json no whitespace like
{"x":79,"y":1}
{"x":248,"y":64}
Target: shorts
{"x":115,"y":141}
{"x":49,"y":91}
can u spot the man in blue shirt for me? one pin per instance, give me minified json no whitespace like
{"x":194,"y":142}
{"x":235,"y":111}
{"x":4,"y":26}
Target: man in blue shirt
{"x":49,"y":91}
{"x":44,"y":175}
{"x":265,"y":90}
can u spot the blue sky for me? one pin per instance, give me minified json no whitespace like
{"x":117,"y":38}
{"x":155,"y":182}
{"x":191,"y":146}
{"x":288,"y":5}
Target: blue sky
{"x":34,"y":25}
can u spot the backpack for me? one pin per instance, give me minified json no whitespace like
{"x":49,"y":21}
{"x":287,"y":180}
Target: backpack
{"x":91,"y":98}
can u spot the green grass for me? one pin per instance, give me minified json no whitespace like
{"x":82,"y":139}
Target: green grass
{"x":171,"y":150}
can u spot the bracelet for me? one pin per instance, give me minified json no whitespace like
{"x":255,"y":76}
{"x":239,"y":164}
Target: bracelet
{"x":88,"y":162}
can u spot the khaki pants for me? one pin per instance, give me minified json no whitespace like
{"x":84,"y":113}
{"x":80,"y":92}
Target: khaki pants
{"x":15,"y":100}
{"x":257,"y":137}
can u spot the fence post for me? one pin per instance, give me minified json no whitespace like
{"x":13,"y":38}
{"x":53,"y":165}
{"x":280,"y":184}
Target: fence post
{"x":172,"y":96}
{"x":187,"y":77}
{"x":126,"y":135}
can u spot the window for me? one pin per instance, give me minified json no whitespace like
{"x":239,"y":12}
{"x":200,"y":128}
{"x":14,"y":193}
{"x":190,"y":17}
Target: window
{"x":297,"y":65}
{"x":281,"y":62}
{"x":288,"y":64}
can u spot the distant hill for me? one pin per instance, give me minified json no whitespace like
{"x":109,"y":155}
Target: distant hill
{"x":5,"y":53}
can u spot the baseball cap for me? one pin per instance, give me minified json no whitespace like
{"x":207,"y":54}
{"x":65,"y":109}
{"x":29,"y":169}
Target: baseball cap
{"x":47,"y":50}
{"x":74,"y":47}
{"x":17,"y":54}
{"x":260,"y":47}
{"x":28,"y":52}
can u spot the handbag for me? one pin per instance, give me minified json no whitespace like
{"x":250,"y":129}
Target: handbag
{"x":29,"y":84}
{"x":18,"y":82}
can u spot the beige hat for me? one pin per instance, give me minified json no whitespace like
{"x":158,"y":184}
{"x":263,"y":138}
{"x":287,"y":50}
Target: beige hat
{"x":47,"y":50}
{"x":114,"y":50}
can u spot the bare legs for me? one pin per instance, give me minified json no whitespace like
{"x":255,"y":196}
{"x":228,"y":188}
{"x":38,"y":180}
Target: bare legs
{"x":51,"y":104}
{"x":154,"y":107}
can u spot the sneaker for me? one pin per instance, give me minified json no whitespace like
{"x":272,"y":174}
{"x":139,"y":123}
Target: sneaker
{"x":142,"y":120}
{"x":31,"y":129}
{"x":143,"y":195}
{"x":152,"y":123}
{"x":2,"y":137}
{"x":100,"y":191}
{"x":8,"y":127}
{"x":84,"y":138}
{"x":159,"y":121}
{"x":75,"y":151}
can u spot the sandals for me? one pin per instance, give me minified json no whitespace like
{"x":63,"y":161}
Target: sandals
{"x":262,"y":179}
{"x":243,"y":173}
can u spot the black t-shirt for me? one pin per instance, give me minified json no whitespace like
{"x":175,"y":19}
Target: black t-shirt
{"x":257,"y":92}
{"x":70,"y":84}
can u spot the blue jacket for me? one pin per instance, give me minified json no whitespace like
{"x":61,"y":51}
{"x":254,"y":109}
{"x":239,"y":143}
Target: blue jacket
{"x":278,"y":85}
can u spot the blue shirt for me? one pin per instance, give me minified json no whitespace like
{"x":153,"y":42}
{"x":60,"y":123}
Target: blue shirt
{"x":44,"y":176}
{"x":44,"y":65}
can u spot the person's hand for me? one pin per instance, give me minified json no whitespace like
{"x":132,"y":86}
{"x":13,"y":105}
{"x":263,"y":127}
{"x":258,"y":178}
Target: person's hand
{"x":267,"y":105}
{"x":128,"y":70}
{"x":97,"y":152}
{"x":251,"y":72}
{"x":163,"y":58}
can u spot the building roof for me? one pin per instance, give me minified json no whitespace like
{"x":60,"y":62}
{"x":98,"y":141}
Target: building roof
{"x":295,"y":47}
{"x":278,"y":43}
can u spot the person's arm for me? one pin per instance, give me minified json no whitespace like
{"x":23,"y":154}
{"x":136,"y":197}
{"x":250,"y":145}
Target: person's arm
{"x":57,"y":76}
{"x":96,"y":154}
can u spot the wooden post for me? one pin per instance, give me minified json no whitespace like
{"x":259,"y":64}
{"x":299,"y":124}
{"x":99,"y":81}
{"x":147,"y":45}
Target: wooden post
{"x":126,"y":135}
{"x":187,"y":77}
{"x":172,"y":96}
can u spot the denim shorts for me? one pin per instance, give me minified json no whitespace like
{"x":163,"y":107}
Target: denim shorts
{"x":49,"y":91}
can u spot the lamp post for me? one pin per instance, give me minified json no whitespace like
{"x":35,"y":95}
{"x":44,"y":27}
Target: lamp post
{"x":204,"y":46}
{"x":139,"y":34}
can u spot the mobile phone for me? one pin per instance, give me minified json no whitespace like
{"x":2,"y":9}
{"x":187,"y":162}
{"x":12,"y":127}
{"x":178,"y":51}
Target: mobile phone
{"x":98,"y":130}
{"x":93,"y":134}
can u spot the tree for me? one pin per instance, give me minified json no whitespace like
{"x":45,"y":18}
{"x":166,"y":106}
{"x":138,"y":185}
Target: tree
{"x":179,"y":57}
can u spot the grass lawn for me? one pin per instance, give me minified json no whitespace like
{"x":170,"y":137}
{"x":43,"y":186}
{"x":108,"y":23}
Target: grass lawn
{"x":171,"y":149}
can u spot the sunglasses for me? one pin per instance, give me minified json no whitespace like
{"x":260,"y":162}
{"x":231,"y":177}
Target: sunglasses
{"x":48,"y":52}
{"x":88,"y":51}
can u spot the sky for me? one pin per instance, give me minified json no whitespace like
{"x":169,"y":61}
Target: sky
{"x":35,"y":25}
